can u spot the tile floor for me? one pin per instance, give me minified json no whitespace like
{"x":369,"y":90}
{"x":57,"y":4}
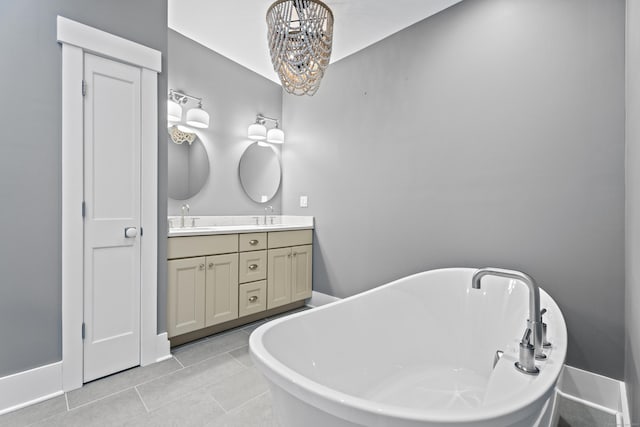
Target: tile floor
{"x":210,"y":382}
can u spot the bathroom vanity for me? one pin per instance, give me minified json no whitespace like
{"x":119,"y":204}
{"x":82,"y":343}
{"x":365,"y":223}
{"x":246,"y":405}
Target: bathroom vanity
{"x":227,"y":271}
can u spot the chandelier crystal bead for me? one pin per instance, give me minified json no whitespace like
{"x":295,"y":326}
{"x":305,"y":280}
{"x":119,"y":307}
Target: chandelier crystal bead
{"x":300,"y":35}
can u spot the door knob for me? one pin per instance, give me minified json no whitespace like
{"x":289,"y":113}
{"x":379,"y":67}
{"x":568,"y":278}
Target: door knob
{"x":130,"y":232}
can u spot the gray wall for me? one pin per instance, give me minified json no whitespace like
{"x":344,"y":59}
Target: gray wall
{"x":30,"y":162}
{"x":489,"y":134}
{"x":632,"y":300}
{"x":233,"y":95}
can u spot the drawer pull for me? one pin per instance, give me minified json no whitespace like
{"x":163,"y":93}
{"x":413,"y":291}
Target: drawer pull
{"x":253,"y":298}
{"x":253,"y":266}
{"x":253,"y":242}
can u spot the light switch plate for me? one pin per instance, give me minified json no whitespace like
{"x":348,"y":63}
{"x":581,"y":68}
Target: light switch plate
{"x":304,"y":201}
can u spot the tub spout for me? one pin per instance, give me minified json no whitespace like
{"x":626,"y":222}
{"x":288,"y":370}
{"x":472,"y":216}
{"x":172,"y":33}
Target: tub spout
{"x":535,"y":318}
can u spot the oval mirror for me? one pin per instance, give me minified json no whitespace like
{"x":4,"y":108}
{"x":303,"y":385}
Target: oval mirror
{"x":260,"y":172}
{"x":188,"y":168}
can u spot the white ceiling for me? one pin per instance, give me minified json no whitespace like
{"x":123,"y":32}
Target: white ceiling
{"x":237,"y":28}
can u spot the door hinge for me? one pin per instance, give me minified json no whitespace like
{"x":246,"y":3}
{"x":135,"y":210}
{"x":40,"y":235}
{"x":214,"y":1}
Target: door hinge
{"x":84,"y":209}
{"x":141,"y":231}
{"x":83,"y":330}
{"x":84,"y":88}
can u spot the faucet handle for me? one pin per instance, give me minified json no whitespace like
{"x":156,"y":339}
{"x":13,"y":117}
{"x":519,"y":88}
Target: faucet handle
{"x":526,"y":338}
{"x":545,"y":343}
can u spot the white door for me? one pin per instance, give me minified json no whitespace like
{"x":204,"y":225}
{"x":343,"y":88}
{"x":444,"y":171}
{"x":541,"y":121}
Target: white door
{"x":112,"y":142}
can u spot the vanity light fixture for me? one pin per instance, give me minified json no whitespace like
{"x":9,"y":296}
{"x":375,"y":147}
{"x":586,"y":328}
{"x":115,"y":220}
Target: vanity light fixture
{"x":300,"y":35}
{"x":174,"y":111}
{"x":275,"y":135}
{"x":258,"y":131}
{"x":196,"y":117}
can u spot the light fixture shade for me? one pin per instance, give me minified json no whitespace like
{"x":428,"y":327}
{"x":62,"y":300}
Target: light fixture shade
{"x":275,"y":136}
{"x":198,"y":118}
{"x":174,"y":111}
{"x":257,"y":132}
{"x":300,"y":35}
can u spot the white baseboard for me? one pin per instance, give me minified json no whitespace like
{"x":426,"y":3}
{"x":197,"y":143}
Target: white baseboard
{"x":44,"y":382}
{"x":30,"y":387}
{"x":163,"y":347}
{"x":318,"y":298}
{"x":598,"y":391}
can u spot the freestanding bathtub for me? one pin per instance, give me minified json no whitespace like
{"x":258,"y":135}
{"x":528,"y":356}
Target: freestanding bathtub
{"x":419,"y":351}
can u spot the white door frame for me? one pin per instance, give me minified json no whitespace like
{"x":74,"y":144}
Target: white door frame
{"x":76,"y":39}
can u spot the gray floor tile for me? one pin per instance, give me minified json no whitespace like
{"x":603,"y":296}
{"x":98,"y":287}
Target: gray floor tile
{"x":111,"y":411}
{"x":242,"y":355}
{"x":287,"y":313}
{"x":238,"y":389}
{"x":118,"y":382}
{"x":194,"y":353}
{"x":253,"y":326}
{"x":193,"y":410}
{"x":168,"y":388}
{"x":574,"y":414}
{"x":34,"y":413}
{"x":255,"y":413}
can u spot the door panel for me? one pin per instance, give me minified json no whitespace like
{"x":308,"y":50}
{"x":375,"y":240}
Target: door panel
{"x":301,"y":272}
{"x":221,"y":289}
{"x":185,"y":312}
{"x":108,"y":285}
{"x":112,"y":142}
{"x":278,"y":277}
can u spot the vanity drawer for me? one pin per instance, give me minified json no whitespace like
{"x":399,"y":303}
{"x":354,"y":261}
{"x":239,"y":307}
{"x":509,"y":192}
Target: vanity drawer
{"x":253,"y":241}
{"x":281,"y":239}
{"x":253,"y":266}
{"x":183,"y":247}
{"x":252,"y":298}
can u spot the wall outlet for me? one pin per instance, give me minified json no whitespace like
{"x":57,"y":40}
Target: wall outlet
{"x":304,"y":201}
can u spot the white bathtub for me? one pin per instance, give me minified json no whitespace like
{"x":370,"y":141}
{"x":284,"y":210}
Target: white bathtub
{"x":416,"y":352}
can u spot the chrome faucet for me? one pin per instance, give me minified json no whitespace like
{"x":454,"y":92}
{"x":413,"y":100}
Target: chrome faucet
{"x":267,"y":210}
{"x":528,"y":351}
{"x":184,"y":208}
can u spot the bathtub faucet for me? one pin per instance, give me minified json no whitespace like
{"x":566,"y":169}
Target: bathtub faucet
{"x":528,"y":352}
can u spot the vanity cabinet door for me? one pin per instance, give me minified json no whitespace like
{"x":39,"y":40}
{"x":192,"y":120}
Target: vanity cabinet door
{"x":301,"y":257}
{"x":278,"y":277}
{"x":221,"y":289}
{"x":185,"y":311}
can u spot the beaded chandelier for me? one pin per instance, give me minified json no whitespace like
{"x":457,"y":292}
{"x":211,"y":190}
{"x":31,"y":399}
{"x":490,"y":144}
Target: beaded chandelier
{"x":300,"y":34}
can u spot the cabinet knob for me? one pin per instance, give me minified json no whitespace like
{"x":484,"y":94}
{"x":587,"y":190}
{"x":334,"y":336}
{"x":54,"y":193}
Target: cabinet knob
{"x":295,"y":253}
{"x":253,"y":298}
{"x":253,"y":242}
{"x":210,"y":265}
{"x":253,"y":266}
{"x":201,"y":266}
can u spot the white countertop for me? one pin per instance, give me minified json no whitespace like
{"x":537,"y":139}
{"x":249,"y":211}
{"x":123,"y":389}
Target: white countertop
{"x":206,"y":225}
